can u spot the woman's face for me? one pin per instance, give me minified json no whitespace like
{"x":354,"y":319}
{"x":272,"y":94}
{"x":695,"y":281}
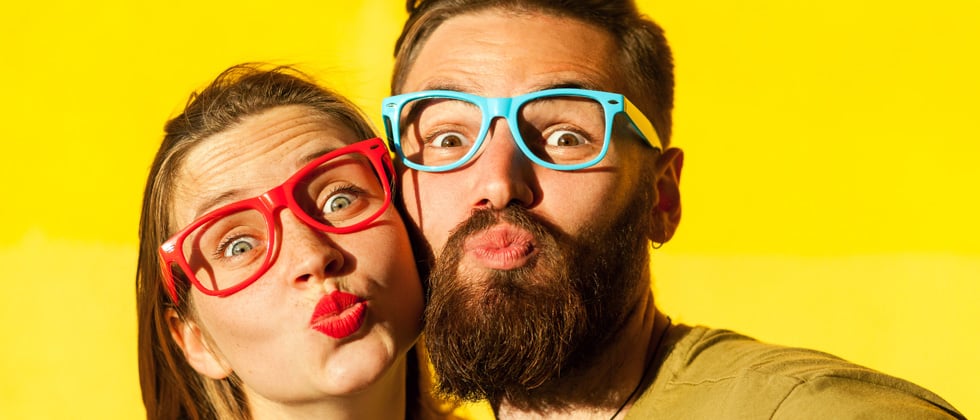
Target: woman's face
{"x":268,"y":333}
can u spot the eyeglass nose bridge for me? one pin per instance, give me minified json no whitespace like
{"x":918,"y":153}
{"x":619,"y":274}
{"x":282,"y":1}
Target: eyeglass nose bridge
{"x":274,"y":202}
{"x":278,"y":199}
{"x":506,"y":108}
{"x":274,"y":199}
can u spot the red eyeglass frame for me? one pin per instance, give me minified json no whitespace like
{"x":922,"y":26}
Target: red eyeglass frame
{"x":269,"y":204}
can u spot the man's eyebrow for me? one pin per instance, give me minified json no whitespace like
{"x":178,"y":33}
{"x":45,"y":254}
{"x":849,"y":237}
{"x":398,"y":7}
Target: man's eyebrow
{"x":448,"y":85}
{"x":568,"y":85}
{"x":457,"y":87}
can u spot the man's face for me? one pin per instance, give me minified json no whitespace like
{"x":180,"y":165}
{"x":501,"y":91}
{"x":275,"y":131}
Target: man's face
{"x":493,"y":54}
{"x":526,"y":259}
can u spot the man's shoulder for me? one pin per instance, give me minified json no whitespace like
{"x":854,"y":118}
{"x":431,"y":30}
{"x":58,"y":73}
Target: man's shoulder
{"x":702,"y":354}
{"x":712,"y":373}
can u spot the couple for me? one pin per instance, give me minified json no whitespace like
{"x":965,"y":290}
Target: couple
{"x":533,"y":169}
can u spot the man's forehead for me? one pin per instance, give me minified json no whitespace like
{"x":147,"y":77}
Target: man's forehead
{"x":501,"y":54}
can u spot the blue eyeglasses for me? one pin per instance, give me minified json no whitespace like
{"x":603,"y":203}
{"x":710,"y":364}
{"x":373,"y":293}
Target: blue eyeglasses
{"x":562,"y":129}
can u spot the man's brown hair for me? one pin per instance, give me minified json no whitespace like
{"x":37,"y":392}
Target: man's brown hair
{"x":646,"y":57}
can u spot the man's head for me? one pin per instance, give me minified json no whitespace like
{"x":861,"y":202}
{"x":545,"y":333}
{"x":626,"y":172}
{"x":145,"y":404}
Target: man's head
{"x":534,"y":270}
{"x":642,"y":55}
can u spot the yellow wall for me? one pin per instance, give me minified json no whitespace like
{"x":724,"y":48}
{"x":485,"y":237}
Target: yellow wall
{"x":829,"y":186}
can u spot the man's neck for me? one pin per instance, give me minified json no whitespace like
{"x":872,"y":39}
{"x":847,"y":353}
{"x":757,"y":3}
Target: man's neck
{"x":603,"y":388}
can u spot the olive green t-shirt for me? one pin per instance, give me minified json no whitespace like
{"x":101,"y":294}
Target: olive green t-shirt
{"x":717,"y":374}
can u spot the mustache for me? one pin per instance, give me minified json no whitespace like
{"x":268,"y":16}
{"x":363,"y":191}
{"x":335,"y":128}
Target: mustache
{"x":483,"y":219}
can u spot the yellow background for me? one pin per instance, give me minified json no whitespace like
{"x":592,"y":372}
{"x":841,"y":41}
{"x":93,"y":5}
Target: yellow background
{"x":829,"y":188}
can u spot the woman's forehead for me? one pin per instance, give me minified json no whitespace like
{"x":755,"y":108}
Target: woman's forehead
{"x":253,"y":156}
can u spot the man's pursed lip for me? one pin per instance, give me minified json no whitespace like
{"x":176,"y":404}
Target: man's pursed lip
{"x":501,"y":247}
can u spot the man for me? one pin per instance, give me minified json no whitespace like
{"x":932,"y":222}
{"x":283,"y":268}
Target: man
{"x":537,"y":190}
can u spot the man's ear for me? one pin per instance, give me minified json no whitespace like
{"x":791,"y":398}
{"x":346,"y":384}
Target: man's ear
{"x":667,"y":209}
{"x":196,"y":347}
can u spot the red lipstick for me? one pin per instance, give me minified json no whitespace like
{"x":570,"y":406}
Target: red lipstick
{"x":502,"y":247}
{"x":338,"y":314}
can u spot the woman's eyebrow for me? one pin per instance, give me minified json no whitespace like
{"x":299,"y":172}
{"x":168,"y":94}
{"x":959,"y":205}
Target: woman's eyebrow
{"x":213,"y":201}
{"x":310,"y":157}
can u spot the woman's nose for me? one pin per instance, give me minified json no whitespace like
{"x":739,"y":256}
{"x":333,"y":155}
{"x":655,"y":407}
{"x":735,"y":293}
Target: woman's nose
{"x":309,"y":254}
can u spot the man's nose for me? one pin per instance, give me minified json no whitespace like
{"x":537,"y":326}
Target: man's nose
{"x":504,"y":175}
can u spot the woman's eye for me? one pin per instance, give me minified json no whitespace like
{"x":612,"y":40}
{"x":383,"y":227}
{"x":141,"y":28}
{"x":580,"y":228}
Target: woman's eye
{"x":338,"y":202}
{"x":451,"y":139}
{"x":564,"y":138}
{"x":238,"y":246}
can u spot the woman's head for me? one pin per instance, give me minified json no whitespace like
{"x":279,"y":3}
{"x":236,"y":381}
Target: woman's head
{"x":221,"y":356}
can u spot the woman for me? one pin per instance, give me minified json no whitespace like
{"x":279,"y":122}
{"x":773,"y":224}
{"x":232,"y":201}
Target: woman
{"x":275,"y":280}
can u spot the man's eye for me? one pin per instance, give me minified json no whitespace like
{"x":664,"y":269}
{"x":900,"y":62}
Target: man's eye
{"x":449,"y":140}
{"x":562,"y":138}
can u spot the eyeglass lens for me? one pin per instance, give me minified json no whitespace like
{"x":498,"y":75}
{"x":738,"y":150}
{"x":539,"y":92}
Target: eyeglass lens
{"x":232,"y":247}
{"x":556,"y":129}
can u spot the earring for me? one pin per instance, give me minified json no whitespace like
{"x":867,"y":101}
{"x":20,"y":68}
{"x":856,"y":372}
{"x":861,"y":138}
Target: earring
{"x":657,"y":245}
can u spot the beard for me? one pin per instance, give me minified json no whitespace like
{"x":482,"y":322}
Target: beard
{"x":515,"y":335}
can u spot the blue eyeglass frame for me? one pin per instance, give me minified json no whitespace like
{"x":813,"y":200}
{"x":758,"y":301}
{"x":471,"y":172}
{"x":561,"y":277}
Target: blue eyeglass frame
{"x":613,"y":104}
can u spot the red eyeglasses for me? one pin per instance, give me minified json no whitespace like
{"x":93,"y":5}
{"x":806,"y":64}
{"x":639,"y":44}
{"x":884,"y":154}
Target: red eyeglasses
{"x":227,"y":249}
